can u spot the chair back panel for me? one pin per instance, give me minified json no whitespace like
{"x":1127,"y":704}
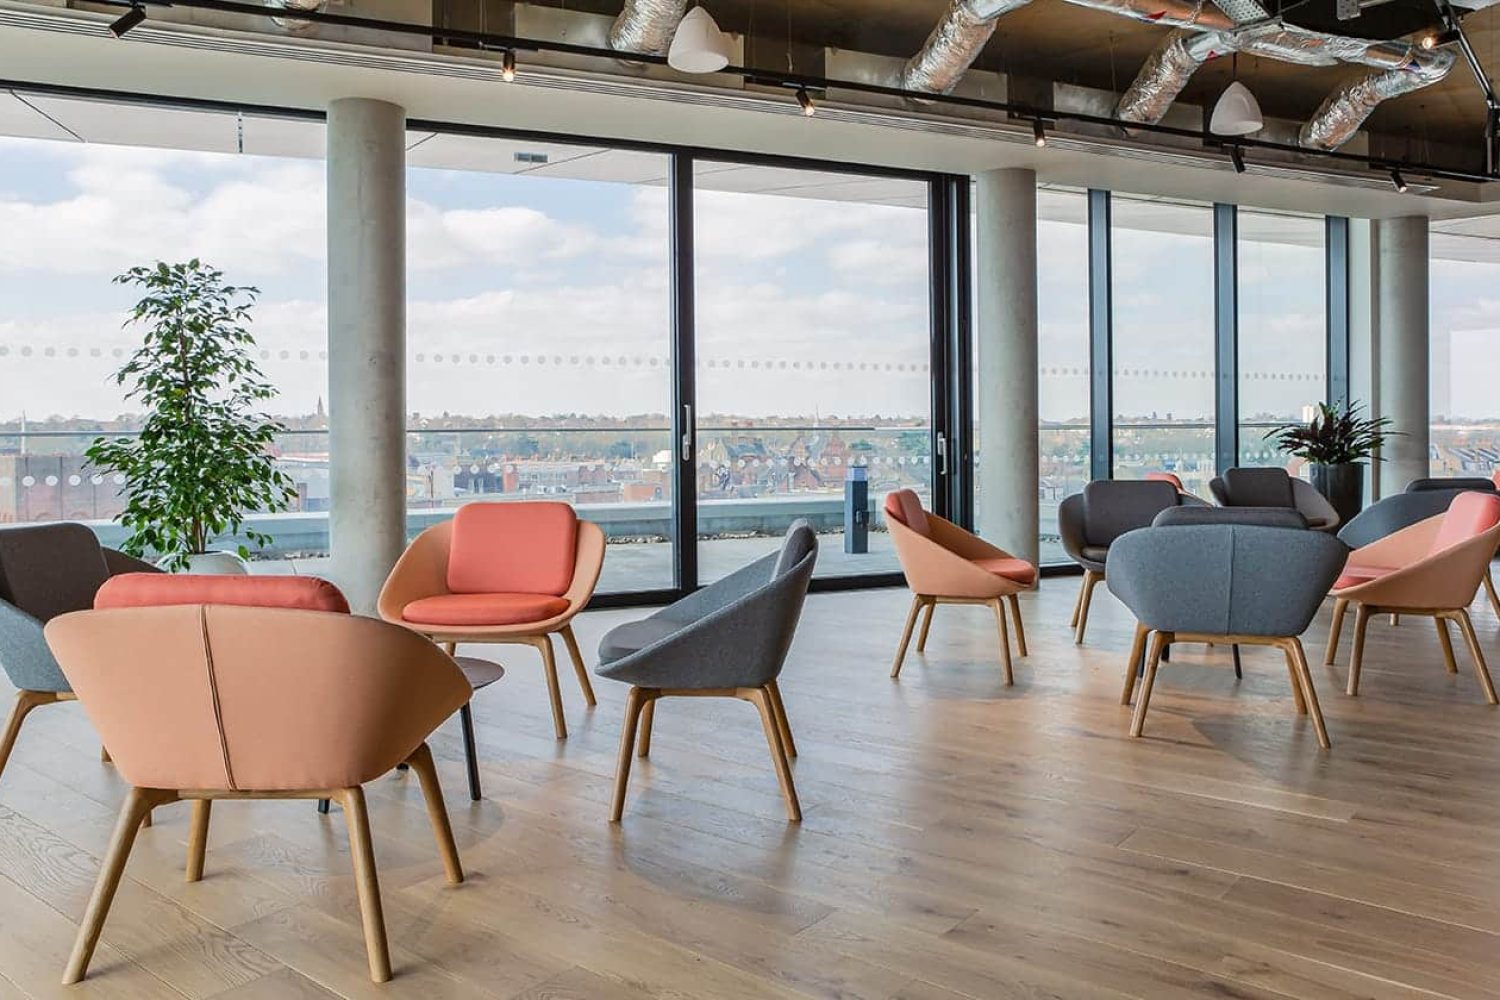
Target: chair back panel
{"x":800,"y":541}
{"x":47,"y":570}
{"x":1468,"y":515}
{"x":906,"y":507}
{"x":1391,"y":514}
{"x":1165,"y":477}
{"x":1253,"y":487}
{"x":1478,"y":483}
{"x":1111,"y":507}
{"x":520,"y":548}
{"x":1269,"y":517}
{"x":146,"y":590}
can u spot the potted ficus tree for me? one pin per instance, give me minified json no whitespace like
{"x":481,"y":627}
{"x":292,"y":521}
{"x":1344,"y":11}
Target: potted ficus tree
{"x":1335,"y":442}
{"x":202,"y":460}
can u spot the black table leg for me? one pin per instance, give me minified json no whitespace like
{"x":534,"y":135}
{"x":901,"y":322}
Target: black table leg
{"x":471,"y":755}
{"x":323,"y":806}
{"x":1236,"y":650}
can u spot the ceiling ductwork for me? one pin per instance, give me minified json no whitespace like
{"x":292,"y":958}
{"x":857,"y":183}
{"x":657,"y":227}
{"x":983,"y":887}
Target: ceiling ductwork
{"x":1346,"y":109}
{"x":1167,"y":71}
{"x":954,"y":44}
{"x":647,"y":26}
{"x":296,"y":25}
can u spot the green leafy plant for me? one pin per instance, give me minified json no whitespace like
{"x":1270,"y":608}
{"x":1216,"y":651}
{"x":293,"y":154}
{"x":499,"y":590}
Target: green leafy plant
{"x":202,"y":459}
{"x":1336,"y":435}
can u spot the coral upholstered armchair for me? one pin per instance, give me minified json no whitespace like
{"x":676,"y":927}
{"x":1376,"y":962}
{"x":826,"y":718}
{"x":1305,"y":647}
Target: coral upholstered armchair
{"x":944,"y":564}
{"x":507,"y":572}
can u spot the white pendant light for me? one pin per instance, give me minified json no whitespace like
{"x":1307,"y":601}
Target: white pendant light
{"x":698,"y":46}
{"x":1237,"y":113}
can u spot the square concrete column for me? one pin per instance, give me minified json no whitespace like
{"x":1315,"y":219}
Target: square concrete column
{"x":366,"y":343}
{"x":1402,"y":274}
{"x":1005,"y":383}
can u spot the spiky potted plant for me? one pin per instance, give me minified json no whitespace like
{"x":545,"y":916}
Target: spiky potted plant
{"x":201,"y":461}
{"x":1335,"y":443}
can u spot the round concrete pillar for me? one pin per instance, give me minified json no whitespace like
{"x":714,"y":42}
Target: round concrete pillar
{"x":1402,"y":273}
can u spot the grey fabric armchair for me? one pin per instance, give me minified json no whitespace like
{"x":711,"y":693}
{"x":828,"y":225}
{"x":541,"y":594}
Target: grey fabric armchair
{"x":1224,"y":583}
{"x":1089,"y":522}
{"x":46,"y":570}
{"x":1273,"y":487}
{"x":728,"y":640}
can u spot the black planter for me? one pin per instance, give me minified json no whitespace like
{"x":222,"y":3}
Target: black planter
{"x":1343,"y":486}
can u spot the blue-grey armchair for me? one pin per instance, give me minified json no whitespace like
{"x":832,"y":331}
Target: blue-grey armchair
{"x":1224,"y":583}
{"x":728,"y":640}
{"x":46,"y":570}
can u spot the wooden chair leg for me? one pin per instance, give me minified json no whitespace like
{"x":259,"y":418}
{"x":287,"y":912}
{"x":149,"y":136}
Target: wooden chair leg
{"x":1090,"y":581}
{"x":762,"y":700}
{"x":1078,"y":601}
{"x":571,"y":641}
{"x":1357,"y":657}
{"x":554,"y":692}
{"x":999,"y":608}
{"x":1304,"y":673}
{"x":1489,"y":589}
{"x":1015,"y":615}
{"x":911,"y":623}
{"x":648,"y":719}
{"x":926,"y":627}
{"x":198,"y":839}
{"x":1138,"y":721}
{"x":1340,"y":605}
{"x":24,"y":703}
{"x":367,"y":881}
{"x":437,"y":812}
{"x":138,"y":803}
{"x":104,"y":756}
{"x":1292,"y":675}
{"x":635,"y":701}
{"x":782,"y":722}
{"x":1446,"y":641}
{"x":1481,"y":669}
{"x":1137,"y":650}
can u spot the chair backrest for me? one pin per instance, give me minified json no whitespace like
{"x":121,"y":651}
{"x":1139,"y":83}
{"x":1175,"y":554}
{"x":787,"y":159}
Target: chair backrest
{"x":223,"y":698}
{"x":152,"y":590}
{"x":50,"y":569}
{"x":906,"y":507}
{"x":1268,"y":517}
{"x":1476,"y":483}
{"x":1225,"y":579}
{"x":1111,"y":507}
{"x":1391,"y":514}
{"x":527,"y":547}
{"x":1166,"y":477}
{"x":800,"y":542}
{"x":1254,"y":487}
{"x":1468,"y":515}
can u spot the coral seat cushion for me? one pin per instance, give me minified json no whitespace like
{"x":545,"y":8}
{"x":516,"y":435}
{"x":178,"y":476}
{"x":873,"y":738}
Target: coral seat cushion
{"x":145,"y":590}
{"x":513,"y":548}
{"x":1469,"y":515}
{"x":480,"y":610}
{"x":905,"y":507}
{"x":1018,"y":570}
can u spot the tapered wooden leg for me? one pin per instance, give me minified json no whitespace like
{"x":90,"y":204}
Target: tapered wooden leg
{"x":1292,"y":675}
{"x":1357,"y":657}
{"x":782,"y":722}
{"x":103,"y":755}
{"x":1340,"y":605}
{"x":1395,"y":619}
{"x":926,"y":626}
{"x":138,"y":802}
{"x":1138,"y":721}
{"x":571,"y":641}
{"x":1137,"y":650}
{"x":549,"y":664}
{"x":1090,"y":581}
{"x":437,"y":812}
{"x":198,"y":839}
{"x":635,"y":701}
{"x":1489,"y":589}
{"x":1446,"y":641}
{"x":1481,"y":669}
{"x":762,"y":700}
{"x":1304,"y":673}
{"x":1083,"y":585}
{"x":648,"y":718}
{"x":911,"y":623}
{"x":367,"y":881}
{"x":1015,"y":616}
{"x":999,"y":608}
{"x":24,"y":703}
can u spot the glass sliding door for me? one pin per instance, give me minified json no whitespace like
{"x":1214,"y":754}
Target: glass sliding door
{"x":813,"y":360}
{"x":1465,"y":346}
{"x":1062,"y":355}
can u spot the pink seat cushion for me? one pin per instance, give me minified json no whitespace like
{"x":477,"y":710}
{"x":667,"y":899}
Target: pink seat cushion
{"x":1354,"y":575}
{"x":481,"y":610}
{"x":1469,"y":514}
{"x":1018,"y":570}
{"x":513,"y":548}
{"x":145,"y":590}
{"x":905,"y":507}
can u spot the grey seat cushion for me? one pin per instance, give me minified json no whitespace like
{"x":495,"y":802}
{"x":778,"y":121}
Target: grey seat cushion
{"x":1258,"y":488}
{"x":1098,"y":553}
{"x":632,"y":637}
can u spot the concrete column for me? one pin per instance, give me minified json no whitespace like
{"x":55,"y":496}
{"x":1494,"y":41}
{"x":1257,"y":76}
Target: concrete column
{"x":1005,"y":385}
{"x":366,"y":342}
{"x":1402,"y":276}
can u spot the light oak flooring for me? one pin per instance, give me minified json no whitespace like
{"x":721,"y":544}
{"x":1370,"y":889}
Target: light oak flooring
{"x":961,"y":839}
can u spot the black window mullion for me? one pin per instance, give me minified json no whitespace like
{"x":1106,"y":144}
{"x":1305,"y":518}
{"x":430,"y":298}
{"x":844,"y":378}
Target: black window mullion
{"x":684,"y":374}
{"x":940,"y":312}
{"x":1101,"y":339}
{"x":1226,"y":338}
{"x":1336,"y":248}
{"x":959,"y":374}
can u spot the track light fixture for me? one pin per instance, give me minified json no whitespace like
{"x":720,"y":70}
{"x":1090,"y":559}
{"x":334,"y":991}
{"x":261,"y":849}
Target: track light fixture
{"x":1237,"y":157}
{"x":508,"y":66}
{"x":1039,"y":132}
{"x":805,"y":101}
{"x":132,"y":17}
{"x":1397,"y":181}
{"x":1438,"y":38}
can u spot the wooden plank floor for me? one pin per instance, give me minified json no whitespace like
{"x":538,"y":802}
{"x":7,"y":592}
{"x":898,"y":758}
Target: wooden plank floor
{"x":961,"y":839}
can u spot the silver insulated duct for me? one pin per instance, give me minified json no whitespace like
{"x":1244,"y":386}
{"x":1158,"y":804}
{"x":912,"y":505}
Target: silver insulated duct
{"x":1346,"y":109}
{"x":647,"y":26}
{"x":296,"y":25}
{"x":954,"y":44}
{"x":1167,"y":71}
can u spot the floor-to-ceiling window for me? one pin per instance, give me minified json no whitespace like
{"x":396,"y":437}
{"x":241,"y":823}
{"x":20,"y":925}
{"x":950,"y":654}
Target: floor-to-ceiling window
{"x":1163,"y":353}
{"x":1283,"y":342}
{"x":1465,"y":350}
{"x":1062,"y":355}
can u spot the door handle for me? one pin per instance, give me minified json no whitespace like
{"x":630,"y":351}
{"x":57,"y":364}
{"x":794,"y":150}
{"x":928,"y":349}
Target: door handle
{"x":687,"y":433}
{"x":942,"y":453}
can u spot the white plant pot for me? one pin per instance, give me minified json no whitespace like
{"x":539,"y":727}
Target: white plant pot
{"x":217,"y":564}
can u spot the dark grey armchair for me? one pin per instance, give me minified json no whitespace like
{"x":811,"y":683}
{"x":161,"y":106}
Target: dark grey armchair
{"x":1225,"y":584}
{"x":1089,"y":522}
{"x":46,"y":570}
{"x":727,"y":640}
{"x":1273,"y":487}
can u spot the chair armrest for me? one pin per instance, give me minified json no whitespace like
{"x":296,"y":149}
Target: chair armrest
{"x":934,"y":570}
{"x":1070,"y":525}
{"x":118,"y":562}
{"x":961,"y":542}
{"x":1400,"y":548}
{"x":1444,"y":580}
{"x":588,"y":563}
{"x":422,"y":571}
{"x":722,"y":592}
{"x":24,"y":653}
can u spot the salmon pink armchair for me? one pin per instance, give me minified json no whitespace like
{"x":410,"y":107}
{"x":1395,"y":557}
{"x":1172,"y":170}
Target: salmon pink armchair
{"x":944,"y":564}
{"x":506,"y":572}
{"x":1431,"y":569}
